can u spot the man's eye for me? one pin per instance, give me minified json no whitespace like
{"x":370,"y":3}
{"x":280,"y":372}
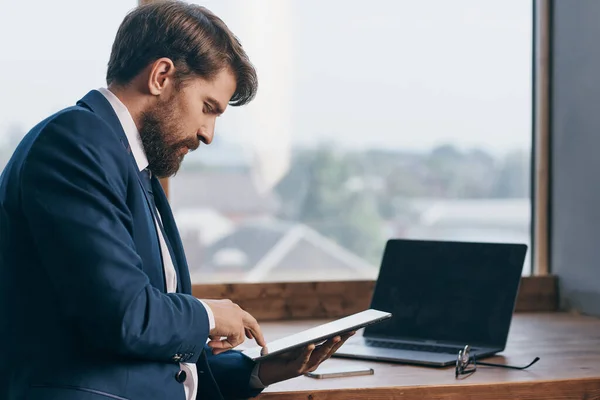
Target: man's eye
{"x":207,"y":108}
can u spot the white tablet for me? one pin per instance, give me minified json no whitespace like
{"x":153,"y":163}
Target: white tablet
{"x":317,"y":334}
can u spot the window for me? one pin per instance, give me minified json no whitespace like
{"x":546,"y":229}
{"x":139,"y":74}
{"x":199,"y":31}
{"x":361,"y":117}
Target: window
{"x":373,"y":120}
{"x":51,"y":55}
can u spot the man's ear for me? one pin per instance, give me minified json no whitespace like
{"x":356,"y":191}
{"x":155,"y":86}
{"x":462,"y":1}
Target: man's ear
{"x":161,"y":76}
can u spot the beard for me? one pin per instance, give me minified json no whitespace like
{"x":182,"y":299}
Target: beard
{"x":159,"y":131}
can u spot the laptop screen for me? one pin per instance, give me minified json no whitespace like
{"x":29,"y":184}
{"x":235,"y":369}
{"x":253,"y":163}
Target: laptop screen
{"x":448,"y":291}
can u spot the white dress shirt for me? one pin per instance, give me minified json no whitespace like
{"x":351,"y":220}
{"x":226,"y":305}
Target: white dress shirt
{"x":135,"y":143}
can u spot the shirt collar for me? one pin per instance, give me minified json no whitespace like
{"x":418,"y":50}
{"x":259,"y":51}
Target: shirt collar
{"x":129,"y":127}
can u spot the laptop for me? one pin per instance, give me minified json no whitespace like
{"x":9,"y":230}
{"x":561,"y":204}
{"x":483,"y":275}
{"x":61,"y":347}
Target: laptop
{"x":442,"y":295}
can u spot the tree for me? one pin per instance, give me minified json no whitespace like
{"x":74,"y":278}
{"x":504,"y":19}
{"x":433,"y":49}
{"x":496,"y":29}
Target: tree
{"x":514,"y":176}
{"x":360,"y":229}
{"x":316,"y":193}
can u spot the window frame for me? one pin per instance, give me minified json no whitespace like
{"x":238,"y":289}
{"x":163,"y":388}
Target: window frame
{"x":325,"y":299}
{"x":541,"y":168}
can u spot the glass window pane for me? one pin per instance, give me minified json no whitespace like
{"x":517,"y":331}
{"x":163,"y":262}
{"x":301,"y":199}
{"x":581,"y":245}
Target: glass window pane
{"x":373,"y":120}
{"x":52,"y":53}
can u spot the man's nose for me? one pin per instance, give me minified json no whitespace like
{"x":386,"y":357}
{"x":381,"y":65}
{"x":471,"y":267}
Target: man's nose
{"x":209,"y":131}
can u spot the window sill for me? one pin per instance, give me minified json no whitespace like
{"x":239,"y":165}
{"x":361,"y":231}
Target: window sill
{"x":300,"y":300}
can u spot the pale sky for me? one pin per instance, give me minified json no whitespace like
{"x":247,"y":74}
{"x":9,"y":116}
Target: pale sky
{"x":380,"y":73}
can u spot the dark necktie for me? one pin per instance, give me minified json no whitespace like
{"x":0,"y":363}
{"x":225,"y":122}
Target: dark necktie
{"x":147,"y":181}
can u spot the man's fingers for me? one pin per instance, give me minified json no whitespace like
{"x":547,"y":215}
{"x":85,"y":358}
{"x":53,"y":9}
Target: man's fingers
{"x":227,"y":343}
{"x":304,"y":358}
{"x":327,"y":346}
{"x":332,"y":348}
{"x":322,"y":353}
{"x":293,"y":355}
{"x":335,"y":348}
{"x":344,"y":338}
{"x":251,"y":324}
{"x":339,"y":344}
{"x":219,"y":345}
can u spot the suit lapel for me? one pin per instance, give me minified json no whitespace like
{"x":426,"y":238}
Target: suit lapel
{"x":97,"y":103}
{"x":183,"y":275}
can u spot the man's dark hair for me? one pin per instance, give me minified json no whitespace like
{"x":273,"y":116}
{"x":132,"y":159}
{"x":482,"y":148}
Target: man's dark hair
{"x":197,"y":41}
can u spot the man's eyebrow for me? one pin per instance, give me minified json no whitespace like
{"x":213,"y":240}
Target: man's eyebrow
{"x":217,"y":106}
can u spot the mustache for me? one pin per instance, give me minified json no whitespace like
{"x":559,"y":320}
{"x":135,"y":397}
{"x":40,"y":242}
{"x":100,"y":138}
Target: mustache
{"x":191,"y":143}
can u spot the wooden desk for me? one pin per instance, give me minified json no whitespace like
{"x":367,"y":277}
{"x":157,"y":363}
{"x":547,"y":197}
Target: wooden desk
{"x":569,"y":368}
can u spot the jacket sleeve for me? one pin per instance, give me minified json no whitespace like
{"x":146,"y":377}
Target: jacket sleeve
{"x":231,"y":371}
{"x":73,"y":191}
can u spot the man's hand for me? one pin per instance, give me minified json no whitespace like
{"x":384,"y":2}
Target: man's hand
{"x":231,"y":325}
{"x":299,"y":362}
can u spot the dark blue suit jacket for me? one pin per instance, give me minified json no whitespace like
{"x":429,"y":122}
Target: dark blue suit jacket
{"x":84,"y":313}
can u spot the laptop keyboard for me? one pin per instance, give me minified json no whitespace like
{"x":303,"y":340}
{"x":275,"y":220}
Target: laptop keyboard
{"x":412,"y":346}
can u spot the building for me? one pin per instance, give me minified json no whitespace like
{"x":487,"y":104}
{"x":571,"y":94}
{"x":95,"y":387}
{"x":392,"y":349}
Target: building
{"x":268,"y":250}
